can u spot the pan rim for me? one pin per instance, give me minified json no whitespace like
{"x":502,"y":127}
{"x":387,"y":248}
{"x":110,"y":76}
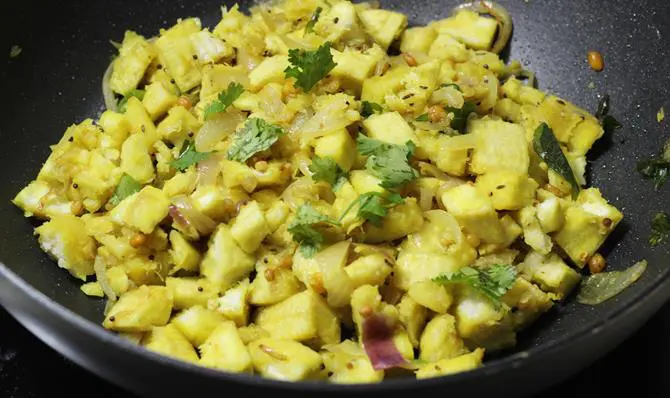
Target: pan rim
{"x":495,"y":366}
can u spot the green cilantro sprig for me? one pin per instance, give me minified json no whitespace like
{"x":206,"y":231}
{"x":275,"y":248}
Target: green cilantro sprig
{"x":224,"y":100}
{"x":388,"y":162}
{"x":494,"y":282}
{"x":304,"y":232}
{"x":127,"y":186}
{"x":188,"y":156}
{"x":327,"y":170}
{"x":373,"y":206}
{"x":256,"y":136}
{"x":308,"y":67}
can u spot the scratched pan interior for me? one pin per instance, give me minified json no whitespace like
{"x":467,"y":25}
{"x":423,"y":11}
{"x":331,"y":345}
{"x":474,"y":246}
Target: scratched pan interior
{"x":56,"y":81}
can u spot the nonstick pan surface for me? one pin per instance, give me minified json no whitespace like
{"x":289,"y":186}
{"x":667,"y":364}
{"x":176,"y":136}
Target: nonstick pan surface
{"x":56,"y":81}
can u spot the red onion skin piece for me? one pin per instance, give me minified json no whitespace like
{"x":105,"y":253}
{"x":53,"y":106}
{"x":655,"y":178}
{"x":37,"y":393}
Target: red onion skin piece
{"x":378,"y":343}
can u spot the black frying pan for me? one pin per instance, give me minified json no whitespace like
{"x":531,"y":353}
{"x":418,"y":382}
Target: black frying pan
{"x":56,"y":81}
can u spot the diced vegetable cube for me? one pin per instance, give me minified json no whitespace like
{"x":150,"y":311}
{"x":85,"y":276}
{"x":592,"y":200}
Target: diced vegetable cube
{"x":65,"y":239}
{"x":135,"y":56}
{"x":532,"y":231}
{"x":446,"y":47}
{"x":474,"y":211}
{"x":135,"y":159}
{"x":177,"y":125}
{"x":140,"y":309}
{"x":418,"y":39}
{"x":431,"y":295}
{"x":280,"y":285}
{"x":500,"y":146}
{"x":197,"y":323}
{"x":92,"y":289}
{"x":507,"y":189}
{"x":209,"y":48}
{"x":445,"y":367}
{"x":158,"y":100}
{"x":189,"y":292}
{"x":474,"y":30}
{"x":349,"y":364}
{"x":270,"y":70}
{"x":142,"y":210}
{"x":389,"y":127}
{"x":284,"y":359}
{"x":184,"y":255}
{"x":401,"y":220}
{"x":551,"y":214}
{"x":413,"y":316}
{"x":550,"y":273}
{"x":353,"y":67}
{"x":167,"y":340}
{"x":384,"y":26}
{"x":440,"y":339}
{"x":233,"y":304}
{"x":481,"y":323}
{"x":251,"y":333}
{"x":340,"y":23}
{"x":175,"y":51}
{"x":225,"y":263}
{"x":376,"y":88}
{"x":528,"y":301}
{"x":368,"y":270}
{"x":116,"y":126}
{"x":140,"y":121}
{"x":224,"y":350}
{"x":338,"y":146}
{"x":249,"y":227}
{"x":304,"y":317}
{"x":588,"y":222}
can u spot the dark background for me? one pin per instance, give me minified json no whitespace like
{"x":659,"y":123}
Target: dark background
{"x":30,"y":369}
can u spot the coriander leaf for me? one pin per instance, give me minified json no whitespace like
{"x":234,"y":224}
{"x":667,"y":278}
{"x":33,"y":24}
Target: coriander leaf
{"x":123,"y":102}
{"x":603,"y":286}
{"x":654,"y":169}
{"x":257,"y":135}
{"x":303,"y":231}
{"x":370,"y":108}
{"x":373,"y":206}
{"x":313,"y":20}
{"x":308,"y":67}
{"x":388,"y":162}
{"x":454,"y":85}
{"x":127,"y":186}
{"x":423,"y":118}
{"x":547,"y":147}
{"x":368,"y":146}
{"x":660,"y":228}
{"x":460,"y":120}
{"x":188,"y":156}
{"x":494,"y":282}
{"x":327,"y":170}
{"x":224,"y":100}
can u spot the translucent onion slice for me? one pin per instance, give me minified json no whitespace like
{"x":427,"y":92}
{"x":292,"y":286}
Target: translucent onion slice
{"x":598,"y":288}
{"x":216,"y":129}
{"x":209,"y":170}
{"x":184,"y":214}
{"x":107,"y":93}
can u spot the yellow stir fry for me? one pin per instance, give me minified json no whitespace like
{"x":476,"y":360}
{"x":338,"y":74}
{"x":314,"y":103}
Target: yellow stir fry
{"x":317,"y":191}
